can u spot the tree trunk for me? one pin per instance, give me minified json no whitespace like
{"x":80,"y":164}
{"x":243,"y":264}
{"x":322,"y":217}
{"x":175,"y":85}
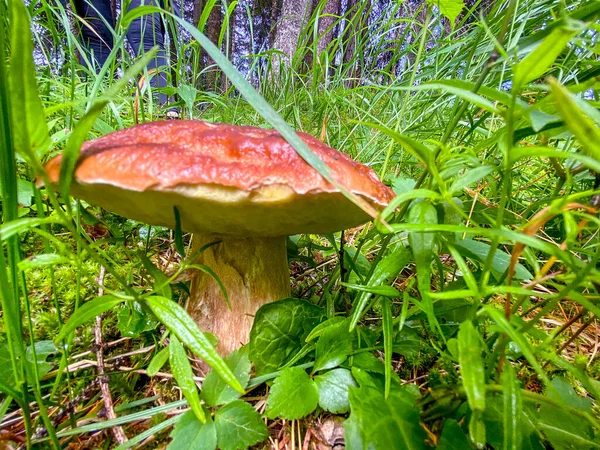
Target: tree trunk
{"x":357,"y":19}
{"x":212,"y":30}
{"x":294,"y":14}
{"x":328,"y":17}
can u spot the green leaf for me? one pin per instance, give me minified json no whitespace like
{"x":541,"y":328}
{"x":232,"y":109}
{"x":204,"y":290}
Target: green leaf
{"x":42,"y":259}
{"x":323,"y":326}
{"x":453,"y":437}
{"x":385,"y":291}
{"x":29,"y":128}
{"x":580,"y":124}
{"x":190,"y":433}
{"x":334,"y":346}
{"x":423,"y":246}
{"x":215,"y":391}
{"x":132,"y":320}
{"x":158,"y":361}
{"x":495,"y":422}
{"x":239,"y":426}
{"x":333,"y":390}
{"x":385,"y":272}
{"x":513,"y":409}
{"x":293,"y":395}
{"x":380,"y":424}
{"x":534,"y":65}
{"x":182,"y":371}
{"x":563,"y":430}
{"x":388,"y":338}
{"x":479,"y":251}
{"x":449,"y":8}
{"x":161,"y":282}
{"x":17,"y":226}
{"x":469,"y":178}
{"x":279,"y":331}
{"x":87,"y":312}
{"x":517,"y":337}
{"x":471,"y":365}
{"x":43,"y":349}
{"x":179,"y":322}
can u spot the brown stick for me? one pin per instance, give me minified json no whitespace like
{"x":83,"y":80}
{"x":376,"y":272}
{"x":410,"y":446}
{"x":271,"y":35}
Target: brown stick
{"x":117,"y":431}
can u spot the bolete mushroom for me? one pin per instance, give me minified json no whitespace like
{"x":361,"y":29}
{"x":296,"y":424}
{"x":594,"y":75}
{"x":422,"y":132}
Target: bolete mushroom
{"x":243,"y":186}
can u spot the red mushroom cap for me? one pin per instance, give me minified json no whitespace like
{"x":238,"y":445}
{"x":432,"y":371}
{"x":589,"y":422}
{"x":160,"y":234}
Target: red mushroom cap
{"x":224,"y":179}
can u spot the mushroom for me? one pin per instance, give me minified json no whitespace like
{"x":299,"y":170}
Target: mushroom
{"x":245,"y":187}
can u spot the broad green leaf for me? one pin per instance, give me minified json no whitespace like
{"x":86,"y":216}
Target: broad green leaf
{"x":179,"y":322}
{"x":479,"y":251}
{"x":540,"y":119}
{"x":30,"y":131}
{"x":279,"y":331}
{"x":580,"y":124}
{"x":536,"y":63}
{"x":182,"y":371}
{"x":239,"y":426}
{"x":380,"y":424}
{"x":188,"y":94}
{"x":133,"y":320}
{"x":449,"y":8}
{"x":42,"y":350}
{"x":158,"y":361}
{"x":563,"y":429}
{"x":495,"y":422}
{"x":387,"y":269}
{"x":402,"y":184}
{"x":471,"y":365}
{"x":190,"y":433}
{"x":453,"y":437}
{"x":87,"y":312}
{"x":367,"y":361}
{"x":513,"y":409}
{"x":408,"y":343}
{"x":333,"y":390}
{"x":323,"y":326}
{"x":334,"y":346}
{"x":215,"y":391}
{"x":293,"y":395}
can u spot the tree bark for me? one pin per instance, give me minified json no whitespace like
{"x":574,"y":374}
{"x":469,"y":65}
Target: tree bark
{"x":212,"y":30}
{"x":328,"y":17}
{"x":294,"y":14}
{"x":357,"y":20}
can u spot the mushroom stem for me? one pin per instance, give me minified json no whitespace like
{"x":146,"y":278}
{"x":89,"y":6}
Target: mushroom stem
{"x":254,"y":272}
